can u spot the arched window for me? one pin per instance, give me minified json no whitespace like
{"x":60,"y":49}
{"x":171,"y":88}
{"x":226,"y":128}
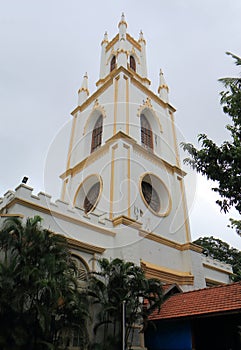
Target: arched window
{"x":132,"y":63}
{"x":112,"y":63}
{"x":146,"y":133}
{"x":97,"y":134}
{"x":81,"y":268}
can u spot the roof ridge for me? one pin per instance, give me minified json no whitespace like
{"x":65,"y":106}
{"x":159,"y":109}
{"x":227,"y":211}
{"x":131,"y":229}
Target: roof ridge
{"x":210,"y":288}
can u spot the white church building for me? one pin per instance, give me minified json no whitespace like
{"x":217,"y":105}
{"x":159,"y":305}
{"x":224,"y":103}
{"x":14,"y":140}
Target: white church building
{"x":123,"y":189}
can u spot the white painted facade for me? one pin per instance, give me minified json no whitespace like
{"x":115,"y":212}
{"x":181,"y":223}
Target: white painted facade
{"x":120,"y":221}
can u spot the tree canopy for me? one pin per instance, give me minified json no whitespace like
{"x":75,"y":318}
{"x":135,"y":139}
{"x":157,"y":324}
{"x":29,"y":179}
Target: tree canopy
{"x":217,"y":249}
{"x":40,"y":302}
{"x":222,"y":164}
{"x":120,"y":284}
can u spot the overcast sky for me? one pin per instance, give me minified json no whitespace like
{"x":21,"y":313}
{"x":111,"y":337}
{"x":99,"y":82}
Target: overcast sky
{"x":47,"y":46}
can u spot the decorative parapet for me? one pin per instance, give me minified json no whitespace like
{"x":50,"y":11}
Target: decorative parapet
{"x":23,"y":196}
{"x":216,"y":264}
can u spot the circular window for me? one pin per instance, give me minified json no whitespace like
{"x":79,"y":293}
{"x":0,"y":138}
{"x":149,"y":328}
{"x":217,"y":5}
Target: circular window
{"x":151,"y":196}
{"x":91,"y":197}
{"x":88,"y":193}
{"x":155,"y":194}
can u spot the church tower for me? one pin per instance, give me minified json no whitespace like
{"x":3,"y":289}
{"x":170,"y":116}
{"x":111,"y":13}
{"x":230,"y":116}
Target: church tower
{"x":123,"y":192}
{"x":123,"y":160}
{"x":123,"y":163}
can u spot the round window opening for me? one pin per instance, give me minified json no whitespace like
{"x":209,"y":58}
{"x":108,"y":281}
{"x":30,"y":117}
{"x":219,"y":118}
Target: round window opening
{"x":91,"y":197}
{"x":88,"y":193}
{"x":151,"y":196}
{"x":155,"y":195}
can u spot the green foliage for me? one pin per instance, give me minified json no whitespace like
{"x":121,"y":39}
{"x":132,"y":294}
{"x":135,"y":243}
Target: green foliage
{"x":223,"y":163}
{"x":217,"y":249}
{"x":121,"y":282}
{"x":40,"y":302}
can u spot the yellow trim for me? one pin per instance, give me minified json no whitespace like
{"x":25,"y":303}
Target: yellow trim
{"x":148,"y":106}
{"x":127,"y":221}
{"x":213,"y":282}
{"x":128,"y":179}
{"x":151,"y":94}
{"x":127,"y":106}
{"x":167,"y":275}
{"x":115,"y":102}
{"x":64,"y":189}
{"x":175,"y":139}
{"x":99,"y":152}
{"x":167,"y":212}
{"x":216,"y":268}
{"x":137,"y":148}
{"x":133,"y":42}
{"x":89,"y":248}
{"x":167,"y":242}
{"x":97,"y":107}
{"x":108,"y":80}
{"x":95,"y":95}
{"x":85,"y":90}
{"x":137,"y":76}
{"x":122,"y":22}
{"x":112,"y":43}
{"x":56,"y":214}
{"x":12,"y":216}
{"x":185,"y":211}
{"x":71,"y":140}
{"x":112,"y":179}
{"x":129,"y":72}
{"x":101,"y":189}
{"x":192,"y":246}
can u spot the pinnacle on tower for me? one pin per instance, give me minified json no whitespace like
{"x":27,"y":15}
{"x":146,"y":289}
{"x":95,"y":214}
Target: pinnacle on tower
{"x":122,"y":21}
{"x":105,"y":40}
{"x":141,"y":38}
{"x":83,"y":92}
{"x":122,"y":27}
{"x":163,"y":88}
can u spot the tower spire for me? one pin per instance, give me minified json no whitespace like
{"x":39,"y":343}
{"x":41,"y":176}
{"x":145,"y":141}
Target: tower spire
{"x":163,"y":88}
{"x":83,"y":92}
{"x":122,"y":27}
{"x":142,"y":42}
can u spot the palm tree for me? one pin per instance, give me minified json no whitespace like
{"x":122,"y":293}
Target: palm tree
{"x":40,"y":301}
{"x":121,"y":283}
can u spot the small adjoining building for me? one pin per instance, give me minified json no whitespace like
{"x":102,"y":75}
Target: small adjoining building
{"x":208,"y":318}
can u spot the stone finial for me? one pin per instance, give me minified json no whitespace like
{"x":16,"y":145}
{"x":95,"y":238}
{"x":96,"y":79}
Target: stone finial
{"x":105,"y":39}
{"x":163,"y":88}
{"x":141,"y":38}
{"x":83,"y":92}
{"x":122,"y":21}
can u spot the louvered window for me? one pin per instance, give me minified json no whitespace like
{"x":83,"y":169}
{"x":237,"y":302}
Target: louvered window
{"x":113,"y":63}
{"x":91,"y":197}
{"x":146,"y":133}
{"x":97,"y":134}
{"x":151,"y":196}
{"x":81,"y":267}
{"x":132,"y":63}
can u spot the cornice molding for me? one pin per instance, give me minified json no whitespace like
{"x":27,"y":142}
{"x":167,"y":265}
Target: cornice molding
{"x":103,"y":149}
{"x":127,"y":221}
{"x":56,"y":214}
{"x":167,"y":275}
{"x":89,"y":248}
{"x":112,"y":42}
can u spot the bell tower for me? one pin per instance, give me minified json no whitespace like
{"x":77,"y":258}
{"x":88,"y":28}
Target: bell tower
{"x":122,"y":191}
{"x":123,"y":161}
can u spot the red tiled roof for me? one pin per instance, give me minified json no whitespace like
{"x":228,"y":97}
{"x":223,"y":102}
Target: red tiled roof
{"x":225,"y":298}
